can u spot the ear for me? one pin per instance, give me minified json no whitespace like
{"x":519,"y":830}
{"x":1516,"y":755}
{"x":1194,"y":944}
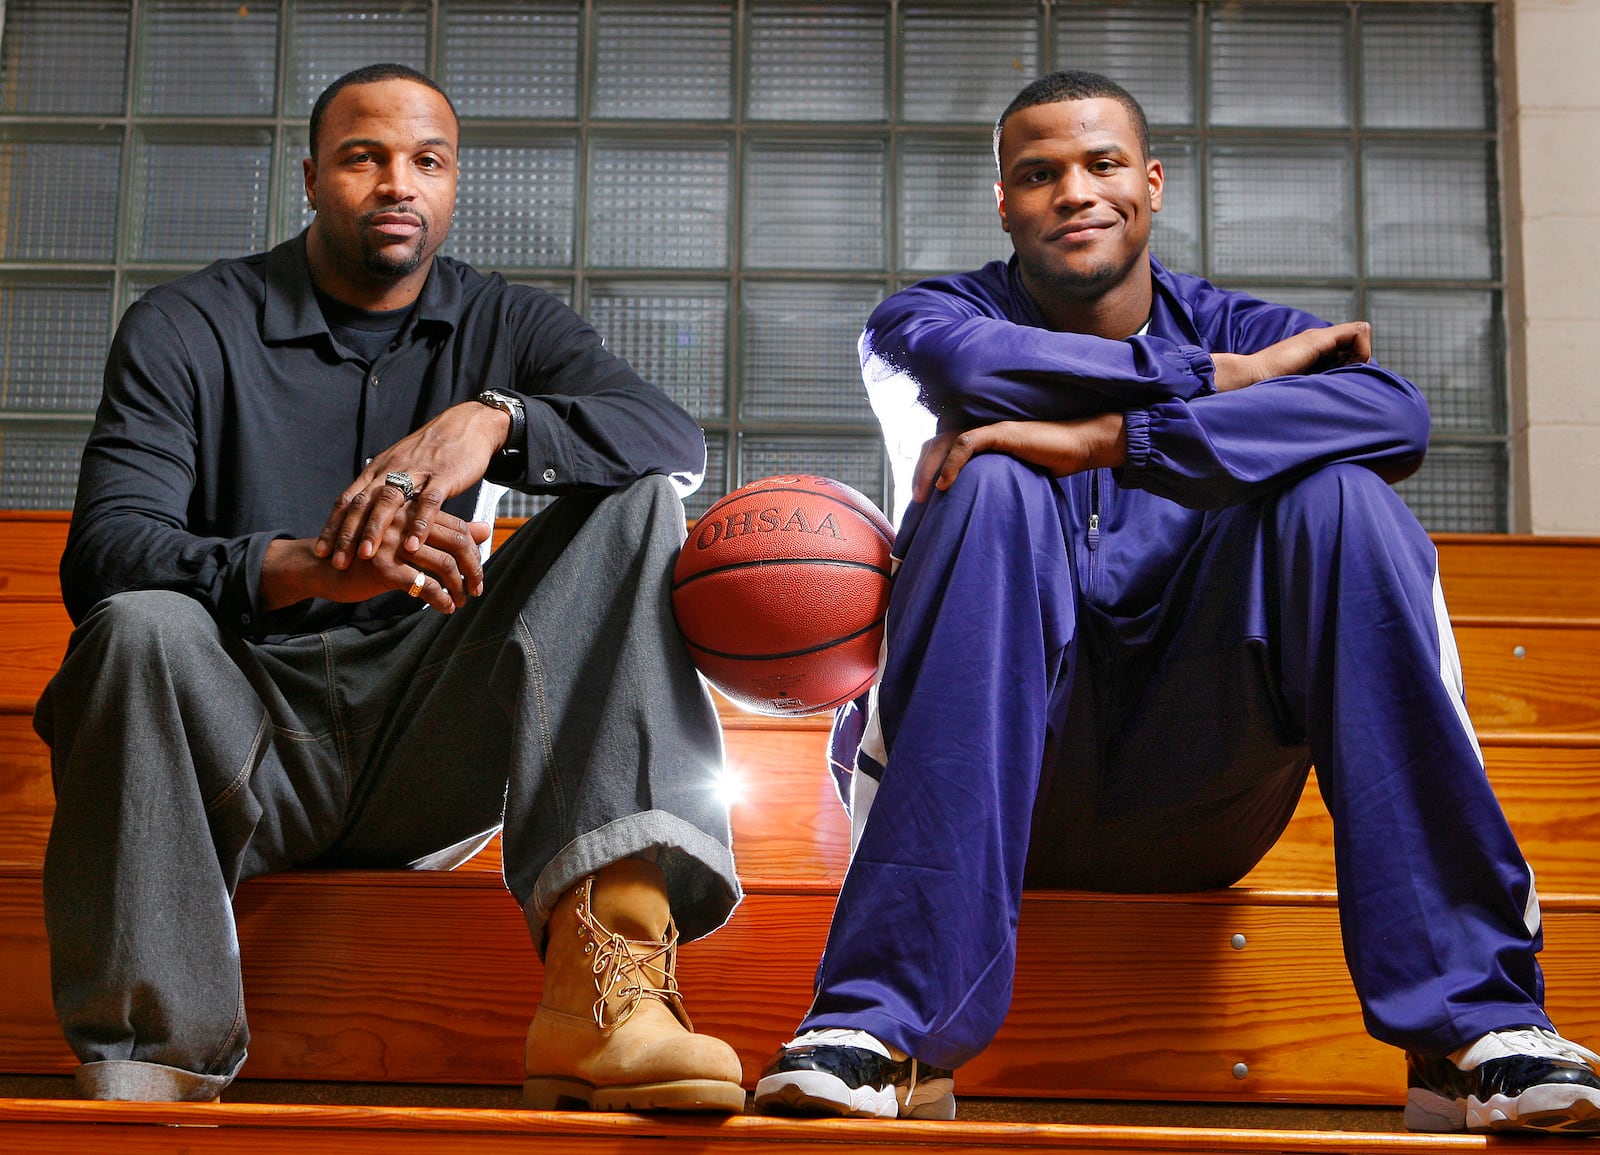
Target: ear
{"x":1000,"y":205}
{"x":1157,"y":180}
{"x":308,"y":168}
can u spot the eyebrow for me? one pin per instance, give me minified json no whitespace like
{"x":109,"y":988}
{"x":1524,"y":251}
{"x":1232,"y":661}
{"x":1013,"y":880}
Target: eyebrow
{"x":372,"y":142}
{"x":1110,"y":148}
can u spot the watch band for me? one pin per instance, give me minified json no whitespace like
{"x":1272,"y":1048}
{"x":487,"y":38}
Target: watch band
{"x":512,"y":408}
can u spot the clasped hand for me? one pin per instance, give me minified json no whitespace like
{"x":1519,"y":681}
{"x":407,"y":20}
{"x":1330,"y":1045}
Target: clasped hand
{"x":376,"y":539}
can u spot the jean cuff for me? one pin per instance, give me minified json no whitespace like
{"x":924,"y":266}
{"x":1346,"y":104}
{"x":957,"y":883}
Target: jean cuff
{"x":133,"y":1081}
{"x":701,"y":880}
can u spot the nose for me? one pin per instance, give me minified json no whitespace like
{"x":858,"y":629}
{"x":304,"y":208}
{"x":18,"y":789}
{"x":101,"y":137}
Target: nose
{"x":1074,"y":188}
{"x":395,"y":182}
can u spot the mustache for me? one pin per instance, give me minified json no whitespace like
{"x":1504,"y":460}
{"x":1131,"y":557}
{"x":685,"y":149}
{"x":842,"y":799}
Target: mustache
{"x":394,"y":211}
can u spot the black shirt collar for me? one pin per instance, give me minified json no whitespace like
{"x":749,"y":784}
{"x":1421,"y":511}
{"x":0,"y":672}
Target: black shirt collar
{"x":292,"y":312}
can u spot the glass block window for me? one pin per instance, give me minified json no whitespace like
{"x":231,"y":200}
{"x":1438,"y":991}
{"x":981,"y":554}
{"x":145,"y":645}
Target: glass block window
{"x":60,"y":187}
{"x":808,"y":62}
{"x":947,"y":213}
{"x":725,"y":188}
{"x":657,"y":203}
{"x":815,"y":204}
{"x":1280,"y":210}
{"x":517,"y":60}
{"x":516,"y":201}
{"x":327,"y":38}
{"x":657,"y":61}
{"x":675,"y":334}
{"x":65,"y":59}
{"x":52,"y":343}
{"x":962,"y":62}
{"x":799,"y":340}
{"x":193,"y":198}
{"x":1280,"y":66}
{"x":190,"y":56}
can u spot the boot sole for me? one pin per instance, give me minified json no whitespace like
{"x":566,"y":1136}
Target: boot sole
{"x":549,"y":1093}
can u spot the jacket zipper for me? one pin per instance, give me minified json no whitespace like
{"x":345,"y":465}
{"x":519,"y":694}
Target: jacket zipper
{"x":1094,"y":510}
{"x":1094,"y":528}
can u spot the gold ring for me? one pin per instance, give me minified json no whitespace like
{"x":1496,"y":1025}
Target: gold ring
{"x":419,"y":584}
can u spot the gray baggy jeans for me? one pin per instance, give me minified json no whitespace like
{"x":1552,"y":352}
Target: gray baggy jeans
{"x":561,"y":702}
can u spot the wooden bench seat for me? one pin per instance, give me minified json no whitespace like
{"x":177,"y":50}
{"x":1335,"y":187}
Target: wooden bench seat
{"x":362,"y":975}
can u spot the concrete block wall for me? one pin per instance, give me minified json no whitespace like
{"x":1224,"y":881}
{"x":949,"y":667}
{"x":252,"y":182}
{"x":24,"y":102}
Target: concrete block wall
{"x":1550,"y":99}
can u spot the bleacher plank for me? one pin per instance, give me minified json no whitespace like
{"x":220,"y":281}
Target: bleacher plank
{"x":26,"y":799}
{"x":788,"y":827}
{"x":790,"y":830}
{"x":46,"y":1128}
{"x":1516,"y":575}
{"x":1531,"y":677}
{"x":30,"y":544}
{"x":363,"y":976}
{"x":1537,"y":676}
{"x":1554,"y":827}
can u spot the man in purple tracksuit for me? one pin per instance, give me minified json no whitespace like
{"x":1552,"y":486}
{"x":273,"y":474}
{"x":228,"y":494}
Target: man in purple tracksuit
{"x":1151,"y":571}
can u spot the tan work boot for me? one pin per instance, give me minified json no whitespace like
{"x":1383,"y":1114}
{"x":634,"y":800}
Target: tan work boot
{"x":611,"y":1033}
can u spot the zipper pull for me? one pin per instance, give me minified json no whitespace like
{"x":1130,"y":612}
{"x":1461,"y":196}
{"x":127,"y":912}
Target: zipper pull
{"x":1094,"y":510}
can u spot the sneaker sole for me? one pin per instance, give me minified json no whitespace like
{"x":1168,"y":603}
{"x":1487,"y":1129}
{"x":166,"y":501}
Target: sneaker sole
{"x":1434,"y":1113}
{"x":548,"y":1093}
{"x":818,"y":1093}
{"x":1554,"y":1109}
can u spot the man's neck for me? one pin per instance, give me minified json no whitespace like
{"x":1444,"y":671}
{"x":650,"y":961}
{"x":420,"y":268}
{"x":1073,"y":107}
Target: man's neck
{"x":1116,"y":314}
{"x":362,"y":290}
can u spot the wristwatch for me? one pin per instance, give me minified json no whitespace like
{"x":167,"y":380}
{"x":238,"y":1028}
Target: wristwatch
{"x":512,"y":408}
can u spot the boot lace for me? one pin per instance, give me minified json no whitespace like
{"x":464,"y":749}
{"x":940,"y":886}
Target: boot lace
{"x":619,"y":968}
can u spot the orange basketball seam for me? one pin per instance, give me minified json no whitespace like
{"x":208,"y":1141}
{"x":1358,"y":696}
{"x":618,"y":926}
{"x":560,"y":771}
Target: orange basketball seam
{"x":828,"y":645}
{"x":733,"y":565}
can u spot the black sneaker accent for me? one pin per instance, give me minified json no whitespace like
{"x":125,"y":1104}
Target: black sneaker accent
{"x":819,"y":1079}
{"x":1515,"y":1093}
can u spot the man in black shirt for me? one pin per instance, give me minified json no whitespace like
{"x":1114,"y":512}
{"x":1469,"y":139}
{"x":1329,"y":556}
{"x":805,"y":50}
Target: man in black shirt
{"x":255,"y":683}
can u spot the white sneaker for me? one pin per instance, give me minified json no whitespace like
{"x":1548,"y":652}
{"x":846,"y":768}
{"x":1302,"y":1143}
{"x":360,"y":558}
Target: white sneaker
{"x":1519,"y":1079}
{"x":844,"y":1072}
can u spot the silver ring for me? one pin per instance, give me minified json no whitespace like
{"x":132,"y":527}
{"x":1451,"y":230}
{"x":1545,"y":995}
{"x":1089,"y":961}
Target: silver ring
{"x":418,"y":584}
{"x":402,"y":482}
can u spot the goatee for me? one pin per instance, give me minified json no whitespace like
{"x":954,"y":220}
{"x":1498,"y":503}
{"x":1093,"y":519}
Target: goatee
{"x":384,"y":262}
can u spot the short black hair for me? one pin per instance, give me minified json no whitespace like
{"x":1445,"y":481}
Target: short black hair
{"x":372,"y":74}
{"x":1070,"y":84}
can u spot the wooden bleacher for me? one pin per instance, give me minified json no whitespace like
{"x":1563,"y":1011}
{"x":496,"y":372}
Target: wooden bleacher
{"x":363,"y":977}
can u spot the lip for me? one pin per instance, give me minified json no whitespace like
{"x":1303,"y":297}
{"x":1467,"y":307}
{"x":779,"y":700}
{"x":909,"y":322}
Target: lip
{"x":1080,"y":230}
{"x":399,"y":225}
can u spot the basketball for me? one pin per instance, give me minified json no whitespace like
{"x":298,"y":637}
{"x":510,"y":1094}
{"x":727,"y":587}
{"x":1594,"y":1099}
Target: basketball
{"x":780,"y":593}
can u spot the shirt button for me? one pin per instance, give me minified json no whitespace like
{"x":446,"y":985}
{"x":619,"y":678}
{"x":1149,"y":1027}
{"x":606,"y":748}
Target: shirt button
{"x":373,"y":380}
{"x":549,"y":475}
{"x":244,"y":619}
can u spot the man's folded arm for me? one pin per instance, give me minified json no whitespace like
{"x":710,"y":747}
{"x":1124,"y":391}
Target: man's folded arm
{"x":976,"y":370}
{"x":1218,"y":450}
{"x":592,"y":421}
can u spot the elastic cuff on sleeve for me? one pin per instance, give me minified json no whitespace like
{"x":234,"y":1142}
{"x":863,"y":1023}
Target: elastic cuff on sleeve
{"x":1136,"y":428}
{"x":1200,"y":364}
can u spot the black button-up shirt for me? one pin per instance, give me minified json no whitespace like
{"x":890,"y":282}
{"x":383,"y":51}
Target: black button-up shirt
{"x":231,"y":417}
